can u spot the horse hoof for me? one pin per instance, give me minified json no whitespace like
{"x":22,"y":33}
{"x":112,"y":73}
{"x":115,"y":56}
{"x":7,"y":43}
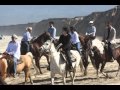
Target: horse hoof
{"x":32,"y":83}
{"x":41,"y":73}
{"x":25,"y":83}
{"x":107,"y":75}
{"x":48,"y":68}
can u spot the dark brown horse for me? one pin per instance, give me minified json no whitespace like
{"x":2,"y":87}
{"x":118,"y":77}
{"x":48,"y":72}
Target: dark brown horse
{"x":105,"y":57}
{"x":86,"y":46}
{"x":35,"y":48}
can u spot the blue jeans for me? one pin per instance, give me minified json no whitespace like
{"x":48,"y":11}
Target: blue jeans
{"x":15,"y":65}
{"x":78,"y":47}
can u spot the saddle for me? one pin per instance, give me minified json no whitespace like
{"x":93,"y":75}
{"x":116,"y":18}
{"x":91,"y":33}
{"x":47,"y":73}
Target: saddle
{"x":62,"y":54}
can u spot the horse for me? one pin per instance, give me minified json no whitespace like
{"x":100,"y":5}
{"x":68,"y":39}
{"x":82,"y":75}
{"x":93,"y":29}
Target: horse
{"x":58,"y":63}
{"x":6,"y":64}
{"x":103,"y":58}
{"x":35,"y":45}
{"x":86,"y":46}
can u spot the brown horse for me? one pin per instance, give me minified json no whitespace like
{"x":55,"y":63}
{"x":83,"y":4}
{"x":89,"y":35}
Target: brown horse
{"x":86,"y":46}
{"x":105,"y":57}
{"x":26,"y":62}
{"x":35,"y":48}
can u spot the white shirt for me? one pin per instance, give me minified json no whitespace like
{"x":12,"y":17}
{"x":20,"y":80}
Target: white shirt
{"x":14,"y":49}
{"x":74,"y":37}
{"x":91,"y":31}
{"x":27,"y":36}
{"x":52,"y":31}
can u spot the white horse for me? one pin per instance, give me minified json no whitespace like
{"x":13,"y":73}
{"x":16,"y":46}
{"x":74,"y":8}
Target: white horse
{"x":58,"y":65}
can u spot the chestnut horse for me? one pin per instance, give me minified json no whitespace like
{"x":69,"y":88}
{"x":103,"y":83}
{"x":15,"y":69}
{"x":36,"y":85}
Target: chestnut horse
{"x":6,"y":64}
{"x":86,"y":45}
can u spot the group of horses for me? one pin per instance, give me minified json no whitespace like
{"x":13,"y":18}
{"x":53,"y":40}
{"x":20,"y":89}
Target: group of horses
{"x":42,"y":45}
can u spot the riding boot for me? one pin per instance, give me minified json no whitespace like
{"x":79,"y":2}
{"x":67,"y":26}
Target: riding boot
{"x":69,"y":61}
{"x":15,"y":67}
{"x":110,"y":52}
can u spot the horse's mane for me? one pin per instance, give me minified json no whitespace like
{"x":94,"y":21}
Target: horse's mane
{"x":41,"y":38}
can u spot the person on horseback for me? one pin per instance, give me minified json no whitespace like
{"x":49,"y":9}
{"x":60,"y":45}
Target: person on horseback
{"x":91,"y":31}
{"x":52,"y":30}
{"x":75,"y":39}
{"x":13,"y":49}
{"x":65,"y":39}
{"x":109,"y":38}
{"x":26,"y":39}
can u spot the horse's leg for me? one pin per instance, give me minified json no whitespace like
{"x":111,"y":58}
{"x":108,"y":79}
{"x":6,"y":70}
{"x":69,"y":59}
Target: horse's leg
{"x":2,"y":81}
{"x":118,"y":68}
{"x":118,"y":71}
{"x":36,"y":69}
{"x":52,"y":78}
{"x":81,"y":66}
{"x":73,"y":76}
{"x":38,"y":64}
{"x":47,"y":57}
{"x":26,"y":77}
{"x":97,"y":68}
{"x":31,"y":81}
{"x":28,"y":74}
{"x":92,"y":60}
{"x":102,"y":67}
{"x":64,"y":79}
{"x":86,"y":63}
{"x":66,"y":74}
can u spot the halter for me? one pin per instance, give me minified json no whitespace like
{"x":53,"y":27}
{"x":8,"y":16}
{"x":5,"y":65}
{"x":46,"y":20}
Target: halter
{"x":43,"y":48}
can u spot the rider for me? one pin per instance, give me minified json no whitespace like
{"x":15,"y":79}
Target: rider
{"x":52,"y":30}
{"x":13,"y":49}
{"x":65,"y":39}
{"x":26,"y":39}
{"x":109,"y":37}
{"x":75,"y":39}
{"x":91,"y":31}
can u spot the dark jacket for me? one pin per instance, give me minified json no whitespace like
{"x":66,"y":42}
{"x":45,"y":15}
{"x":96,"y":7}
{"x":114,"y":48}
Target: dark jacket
{"x":66,"y":41}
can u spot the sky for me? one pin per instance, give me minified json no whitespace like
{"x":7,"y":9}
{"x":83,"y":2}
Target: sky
{"x":21,"y":14}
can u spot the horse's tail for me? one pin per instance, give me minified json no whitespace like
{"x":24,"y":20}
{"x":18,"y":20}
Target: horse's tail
{"x":31,"y":56}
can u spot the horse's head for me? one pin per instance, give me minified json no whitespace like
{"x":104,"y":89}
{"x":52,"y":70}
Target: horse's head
{"x":46,"y":46}
{"x":46,"y":36}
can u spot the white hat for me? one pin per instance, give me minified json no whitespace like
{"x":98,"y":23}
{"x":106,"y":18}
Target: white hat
{"x":91,"y":21}
{"x":14,"y":36}
{"x":29,"y":28}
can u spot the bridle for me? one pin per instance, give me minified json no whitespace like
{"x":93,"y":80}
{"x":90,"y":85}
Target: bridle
{"x":43,"y":49}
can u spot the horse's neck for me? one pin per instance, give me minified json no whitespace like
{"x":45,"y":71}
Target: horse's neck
{"x":81,"y":39}
{"x":53,"y":49}
{"x":55,"y":56}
